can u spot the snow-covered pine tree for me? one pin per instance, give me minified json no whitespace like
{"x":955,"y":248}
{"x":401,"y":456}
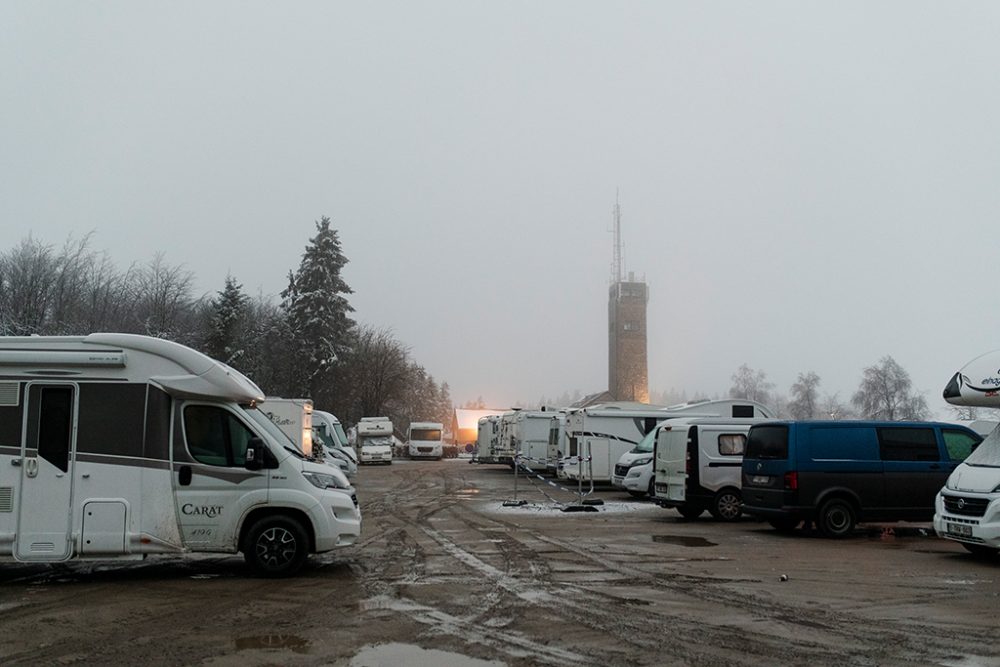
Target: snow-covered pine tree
{"x":229,"y":314}
{"x":317,"y":309}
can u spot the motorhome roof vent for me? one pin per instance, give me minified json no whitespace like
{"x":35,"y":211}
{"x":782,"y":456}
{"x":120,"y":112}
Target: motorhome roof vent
{"x":6,"y":499}
{"x":9,"y":394}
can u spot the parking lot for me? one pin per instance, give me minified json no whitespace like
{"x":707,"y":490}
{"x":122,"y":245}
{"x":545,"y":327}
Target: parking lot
{"x":445,"y":574}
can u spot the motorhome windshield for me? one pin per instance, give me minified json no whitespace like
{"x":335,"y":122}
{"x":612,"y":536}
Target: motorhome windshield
{"x":425,"y":434}
{"x":987,"y":454}
{"x":376,"y":440}
{"x":645,"y":445}
{"x":341,"y":436}
{"x":265,"y":423}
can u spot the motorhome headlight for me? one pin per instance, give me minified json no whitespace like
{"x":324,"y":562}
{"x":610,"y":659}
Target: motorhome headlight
{"x":641,"y":462}
{"x":321,"y":481}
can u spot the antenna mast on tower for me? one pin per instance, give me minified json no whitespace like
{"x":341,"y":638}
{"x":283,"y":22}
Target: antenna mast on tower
{"x":616,"y":267}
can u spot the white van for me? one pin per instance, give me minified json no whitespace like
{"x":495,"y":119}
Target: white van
{"x":697,"y":465}
{"x":634,"y":470}
{"x":120,"y":446}
{"x":423,"y":440}
{"x":967,"y":509}
{"x":329,"y":433}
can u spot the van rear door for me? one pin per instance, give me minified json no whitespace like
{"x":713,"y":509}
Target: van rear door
{"x":915,"y":469}
{"x":671,"y":464}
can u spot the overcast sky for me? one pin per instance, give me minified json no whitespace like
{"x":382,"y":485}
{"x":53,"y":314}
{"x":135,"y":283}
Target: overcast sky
{"x":805,"y":186}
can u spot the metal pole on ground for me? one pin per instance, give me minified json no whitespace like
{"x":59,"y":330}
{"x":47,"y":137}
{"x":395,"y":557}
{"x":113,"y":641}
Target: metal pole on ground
{"x":514,"y":502}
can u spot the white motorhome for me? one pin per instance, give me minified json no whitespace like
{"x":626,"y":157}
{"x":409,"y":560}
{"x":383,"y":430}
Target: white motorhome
{"x":294,"y":416}
{"x":328,"y":431}
{"x":488,"y":438}
{"x":600,"y":434}
{"x":374,"y":440}
{"x":424,"y":440}
{"x":120,"y":446}
{"x":505,"y":449}
{"x":557,"y":442}
{"x":698,"y":463}
{"x":529,"y":433}
{"x":967,"y":509}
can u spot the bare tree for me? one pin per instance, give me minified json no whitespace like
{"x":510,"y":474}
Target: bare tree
{"x":163,"y":300}
{"x":28,"y":273}
{"x":831,"y":407}
{"x":885,"y":393}
{"x":805,"y":397}
{"x":751,"y":385}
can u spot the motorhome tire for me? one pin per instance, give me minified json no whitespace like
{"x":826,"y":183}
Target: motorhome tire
{"x":726,"y":506}
{"x":980,"y":550}
{"x":836,"y":518}
{"x":276,"y":546}
{"x":651,"y":490}
{"x":689,"y":513}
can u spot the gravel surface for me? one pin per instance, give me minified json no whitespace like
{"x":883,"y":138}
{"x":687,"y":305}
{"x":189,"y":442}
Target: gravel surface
{"x":444,"y":573}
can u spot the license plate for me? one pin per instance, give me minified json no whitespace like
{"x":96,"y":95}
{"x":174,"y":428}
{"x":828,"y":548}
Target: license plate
{"x":959,"y":530}
{"x":761,"y":480}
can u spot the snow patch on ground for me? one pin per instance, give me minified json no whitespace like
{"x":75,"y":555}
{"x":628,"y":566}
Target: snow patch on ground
{"x":552,"y":509}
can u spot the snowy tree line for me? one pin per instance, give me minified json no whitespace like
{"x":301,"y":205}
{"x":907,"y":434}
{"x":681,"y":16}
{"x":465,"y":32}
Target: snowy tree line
{"x":304,"y":345}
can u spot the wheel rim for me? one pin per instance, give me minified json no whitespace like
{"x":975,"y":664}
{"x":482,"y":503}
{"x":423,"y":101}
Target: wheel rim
{"x":838,"y":519}
{"x":276,"y":547}
{"x":729,"y":506}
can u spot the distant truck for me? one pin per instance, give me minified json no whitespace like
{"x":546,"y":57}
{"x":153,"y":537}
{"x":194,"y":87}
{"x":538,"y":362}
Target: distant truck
{"x":423,"y":440}
{"x":374,"y":440}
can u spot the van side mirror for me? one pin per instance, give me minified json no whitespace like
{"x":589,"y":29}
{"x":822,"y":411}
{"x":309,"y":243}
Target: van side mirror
{"x":255,"y":454}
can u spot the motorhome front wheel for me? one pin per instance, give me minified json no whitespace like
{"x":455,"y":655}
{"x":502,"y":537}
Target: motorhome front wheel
{"x":276,"y":546}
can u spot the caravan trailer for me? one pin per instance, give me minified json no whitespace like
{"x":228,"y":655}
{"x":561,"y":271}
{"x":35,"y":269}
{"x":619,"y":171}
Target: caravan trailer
{"x":486,"y":443}
{"x":600,"y":434}
{"x":120,"y":446}
{"x":530,"y":435}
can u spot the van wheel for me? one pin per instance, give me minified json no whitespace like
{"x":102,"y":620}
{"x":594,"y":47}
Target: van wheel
{"x":276,"y":546}
{"x":727,"y":505}
{"x":836,"y":518}
{"x":690,"y":513}
{"x":980,"y":550}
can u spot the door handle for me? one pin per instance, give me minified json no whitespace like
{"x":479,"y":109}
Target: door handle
{"x":184,"y":476}
{"x":31,"y":467}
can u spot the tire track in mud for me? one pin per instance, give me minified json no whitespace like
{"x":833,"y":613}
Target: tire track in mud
{"x":829,"y":636}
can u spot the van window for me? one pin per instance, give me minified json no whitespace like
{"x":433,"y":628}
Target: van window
{"x":908,"y":444}
{"x":959,"y":443}
{"x":767,"y":442}
{"x":842,"y":443}
{"x":731,"y":444}
{"x":55,"y":427}
{"x":215,"y":436}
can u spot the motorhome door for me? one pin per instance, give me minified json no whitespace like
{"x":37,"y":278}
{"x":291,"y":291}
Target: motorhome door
{"x":47,"y":454}
{"x":672,"y":461}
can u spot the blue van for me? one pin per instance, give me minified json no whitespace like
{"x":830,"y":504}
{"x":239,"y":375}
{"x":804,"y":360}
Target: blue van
{"x":838,"y":473}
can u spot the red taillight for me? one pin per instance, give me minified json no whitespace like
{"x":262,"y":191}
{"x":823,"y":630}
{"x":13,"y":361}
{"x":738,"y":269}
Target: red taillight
{"x":792,"y":481}
{"x":688,"y":465}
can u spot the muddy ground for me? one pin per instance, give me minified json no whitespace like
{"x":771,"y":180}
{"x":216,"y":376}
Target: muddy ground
{"x":444,"y":575}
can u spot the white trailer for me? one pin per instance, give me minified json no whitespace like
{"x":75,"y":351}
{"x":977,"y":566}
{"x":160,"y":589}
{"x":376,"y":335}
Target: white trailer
{"x":598,"y":435}
{"x":374,"y":440}
{"x":120,"y":446}
{"x":529,"y":432}
{"x":488,"y":439}
{"x":424,"y":440}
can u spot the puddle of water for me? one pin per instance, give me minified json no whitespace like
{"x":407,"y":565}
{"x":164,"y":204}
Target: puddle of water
{"x":280,"y":642}
{"x":684,"y":540}
{"x":411,"y":655}
{"x":971,"y":661}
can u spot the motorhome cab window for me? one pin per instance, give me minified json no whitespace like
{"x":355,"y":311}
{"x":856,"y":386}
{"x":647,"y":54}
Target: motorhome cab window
{"x":731,"y":444}
{"x":959,"y":444}
{"x":908,"y":444}
{"x":429,"y":434}
{"x":215,"y":436}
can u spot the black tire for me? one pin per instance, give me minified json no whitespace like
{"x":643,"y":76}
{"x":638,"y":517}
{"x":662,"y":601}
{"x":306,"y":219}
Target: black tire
{"x":276,"y":546}
{"x":727,"y":505}
{"x":636,"y":494}
{"x":651,"y":491}
{"x":836,"y":518}
{"x":784,"y":525}
{"x":980,"y":550}
{"x":689,"y":513}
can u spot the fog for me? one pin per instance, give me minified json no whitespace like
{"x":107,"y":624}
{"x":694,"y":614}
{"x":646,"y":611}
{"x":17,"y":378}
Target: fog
{"x":804,"y":186}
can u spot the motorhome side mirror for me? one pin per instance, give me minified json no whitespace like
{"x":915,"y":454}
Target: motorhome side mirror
{"x":255,"y":454}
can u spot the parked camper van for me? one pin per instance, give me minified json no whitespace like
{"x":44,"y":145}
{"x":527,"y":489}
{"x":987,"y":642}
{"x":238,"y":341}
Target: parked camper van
{"x":119,"y":446}
{"x":602,"y":433}
{"x":328,"y":432}
{"x":423,"y":440}
{"x":698,"y":466}
{"x":634,"y":470}
{"x":294,"y":416}
{"x":374,"y":440}
{"x":967,"y":509}
{"x":840,"y":473}
{"x":557,"y":442}
{"x":529,"y":436}
{"x":487,"y":440}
